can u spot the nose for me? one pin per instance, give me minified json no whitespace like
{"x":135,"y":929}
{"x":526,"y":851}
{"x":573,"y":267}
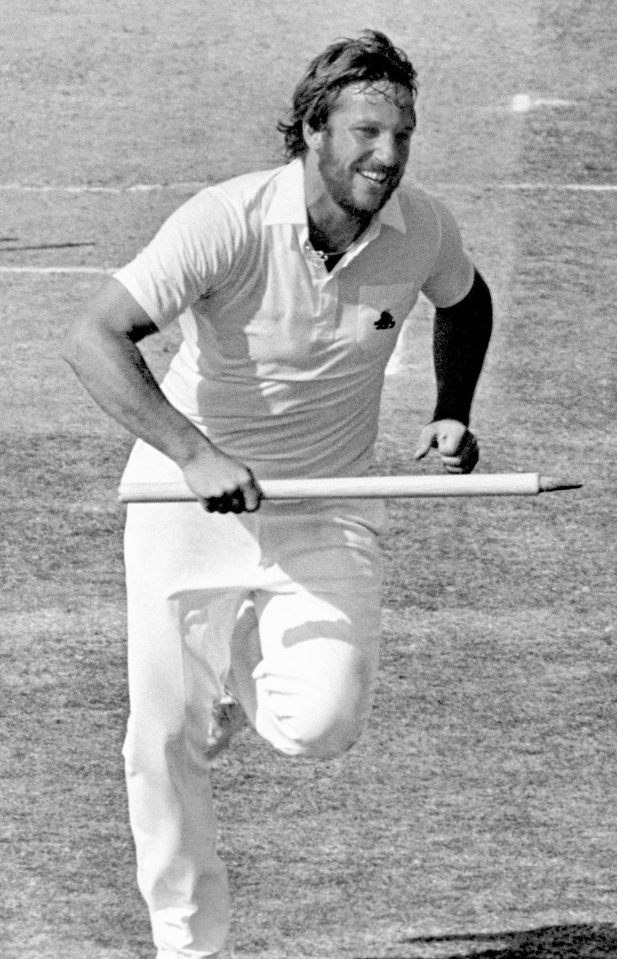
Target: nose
{"x":389,"y":152}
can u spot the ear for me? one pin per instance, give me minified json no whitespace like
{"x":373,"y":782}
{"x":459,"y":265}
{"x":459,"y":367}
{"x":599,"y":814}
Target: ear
{"x":312,"y":138}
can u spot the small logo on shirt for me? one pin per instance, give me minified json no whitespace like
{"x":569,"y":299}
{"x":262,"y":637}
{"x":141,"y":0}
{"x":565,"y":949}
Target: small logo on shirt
{"x":385,"y":321}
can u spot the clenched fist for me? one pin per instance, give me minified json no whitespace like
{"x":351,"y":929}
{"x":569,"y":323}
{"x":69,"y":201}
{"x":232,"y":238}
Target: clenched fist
{"x":456,"y":445}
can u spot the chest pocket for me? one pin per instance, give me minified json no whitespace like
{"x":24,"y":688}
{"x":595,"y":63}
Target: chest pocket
{"x":382,"y":311}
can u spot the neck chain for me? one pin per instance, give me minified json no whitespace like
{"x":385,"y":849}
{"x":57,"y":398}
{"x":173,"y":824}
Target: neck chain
{"x":321,"y":254}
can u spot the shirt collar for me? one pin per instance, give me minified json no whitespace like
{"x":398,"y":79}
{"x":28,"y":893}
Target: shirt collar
{"x":288,"y":203}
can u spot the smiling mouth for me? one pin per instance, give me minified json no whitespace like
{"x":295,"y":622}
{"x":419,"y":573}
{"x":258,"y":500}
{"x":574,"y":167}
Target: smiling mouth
{"x":378,"y":179}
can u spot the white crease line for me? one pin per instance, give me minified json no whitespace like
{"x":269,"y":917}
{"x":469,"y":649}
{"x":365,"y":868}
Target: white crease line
{"x":152,"y":187}
{"x":559,"y":187}
{"x":75,"y":188}
{"x":57,"y":269}
{"x":527,"y":187}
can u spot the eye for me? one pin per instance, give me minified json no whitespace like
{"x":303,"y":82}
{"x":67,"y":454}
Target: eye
{"x":367,"y":132}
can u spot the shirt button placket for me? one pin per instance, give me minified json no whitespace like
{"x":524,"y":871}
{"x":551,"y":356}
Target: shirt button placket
{"x":327,"y":306}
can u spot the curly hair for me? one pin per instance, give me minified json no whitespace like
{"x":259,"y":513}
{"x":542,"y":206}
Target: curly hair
{"x":368,"y":59}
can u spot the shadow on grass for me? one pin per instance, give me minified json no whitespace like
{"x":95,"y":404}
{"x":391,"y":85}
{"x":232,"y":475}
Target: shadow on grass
{"x":549,"y":942}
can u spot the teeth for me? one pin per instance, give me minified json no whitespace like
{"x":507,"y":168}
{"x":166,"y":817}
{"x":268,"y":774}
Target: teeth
{"x":375,"y":177}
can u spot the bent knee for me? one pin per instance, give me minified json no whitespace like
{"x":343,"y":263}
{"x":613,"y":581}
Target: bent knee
{"x":317,"y":711}
{"x":331,"y":741}
{"x":315,"y":732}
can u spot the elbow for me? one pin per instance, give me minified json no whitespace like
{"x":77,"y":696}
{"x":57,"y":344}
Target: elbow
{"x":74,"y":346}
{"x":80,"y":345}
{"x":85,"y":347}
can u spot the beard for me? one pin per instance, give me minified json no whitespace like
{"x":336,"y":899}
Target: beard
{"x":360,"y":200}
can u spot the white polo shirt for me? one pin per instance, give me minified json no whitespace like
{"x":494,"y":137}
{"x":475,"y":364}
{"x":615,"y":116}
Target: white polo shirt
{"x":282,"y":362}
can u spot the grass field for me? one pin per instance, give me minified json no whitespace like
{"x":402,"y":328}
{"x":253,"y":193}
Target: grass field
{"x":477,"y":816}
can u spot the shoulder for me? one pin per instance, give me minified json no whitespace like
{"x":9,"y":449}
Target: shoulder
{"x":222,"y":214}
{"x":229,"y":197}
{"x":421,"y":207}
{"x":434,"y":230}
{"x":246,"y":195}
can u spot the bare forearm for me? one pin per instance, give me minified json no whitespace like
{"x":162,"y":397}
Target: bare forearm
{"x":112,"y":369}
{"x":102,"y":349}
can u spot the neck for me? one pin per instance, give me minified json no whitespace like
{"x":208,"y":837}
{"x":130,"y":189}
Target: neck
{"x":333,"y":237}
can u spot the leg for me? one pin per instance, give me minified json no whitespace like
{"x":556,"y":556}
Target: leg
{"x":304,"y":661}
{"x":315,"y":683}
{"x":178,"y":659}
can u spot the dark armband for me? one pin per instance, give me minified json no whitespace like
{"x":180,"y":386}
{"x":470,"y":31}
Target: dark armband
{"x":461,"y":336}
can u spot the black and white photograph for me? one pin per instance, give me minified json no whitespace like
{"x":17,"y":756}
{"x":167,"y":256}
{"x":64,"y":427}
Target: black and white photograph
{"x":308,"y":459}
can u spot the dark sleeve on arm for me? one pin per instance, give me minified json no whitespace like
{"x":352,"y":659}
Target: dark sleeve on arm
{"x":460,"y":339}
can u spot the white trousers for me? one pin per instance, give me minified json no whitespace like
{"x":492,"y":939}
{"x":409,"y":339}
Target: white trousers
{"x":282,"y":606}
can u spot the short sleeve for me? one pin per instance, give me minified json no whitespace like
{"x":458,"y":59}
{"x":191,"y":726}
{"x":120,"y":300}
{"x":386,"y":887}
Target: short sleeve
{"x":452,"y":274}
{"x":190,"y":255}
